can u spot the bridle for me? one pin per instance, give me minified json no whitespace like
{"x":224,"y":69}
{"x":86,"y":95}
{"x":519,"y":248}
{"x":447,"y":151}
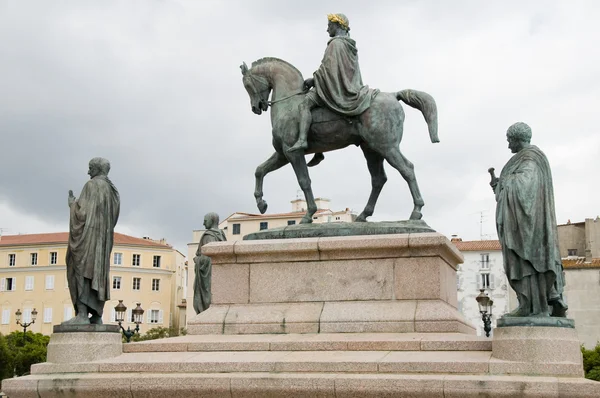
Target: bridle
{"x":264,"y":82}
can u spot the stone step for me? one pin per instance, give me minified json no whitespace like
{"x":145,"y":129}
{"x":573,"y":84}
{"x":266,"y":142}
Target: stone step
{"x":316,"y":342}
{"x":257,"y":384}
{"x":282,"y":361}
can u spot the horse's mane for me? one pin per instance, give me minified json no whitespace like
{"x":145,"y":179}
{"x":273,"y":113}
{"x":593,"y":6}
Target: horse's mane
{"x":273,"y":59}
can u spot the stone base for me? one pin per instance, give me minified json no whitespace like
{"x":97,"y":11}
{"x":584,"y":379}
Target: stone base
{"x":399,"y":316}
{"x":381,"y":283}
{"x":545,"y":321}
{"x":86,"y":328}
{"x":81,"y":346}
{"x":537,"y":350}
{"x":342,"y":229}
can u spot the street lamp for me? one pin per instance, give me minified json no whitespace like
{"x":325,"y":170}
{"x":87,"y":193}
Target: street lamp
{"x":25,"y":324}
{"x":138,"y":316}
{"x":485,"y":308}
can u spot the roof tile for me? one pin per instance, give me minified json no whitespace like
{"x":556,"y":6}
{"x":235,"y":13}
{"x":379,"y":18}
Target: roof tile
{"x":63,"y":238}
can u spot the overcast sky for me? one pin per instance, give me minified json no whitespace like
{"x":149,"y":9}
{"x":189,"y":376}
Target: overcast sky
{"x":155,"y":87}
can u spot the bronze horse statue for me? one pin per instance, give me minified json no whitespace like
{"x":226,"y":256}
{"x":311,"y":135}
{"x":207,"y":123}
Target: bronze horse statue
{"x":378,"y":131}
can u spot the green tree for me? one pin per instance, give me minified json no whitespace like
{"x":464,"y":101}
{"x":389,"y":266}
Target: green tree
{"x":6,"y":359}
{"x":26,"y":349}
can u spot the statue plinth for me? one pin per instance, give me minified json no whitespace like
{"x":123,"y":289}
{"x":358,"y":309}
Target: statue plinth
{"x":323,"y":230}
{"x":377,"y":283}
{"x":83,"y":343}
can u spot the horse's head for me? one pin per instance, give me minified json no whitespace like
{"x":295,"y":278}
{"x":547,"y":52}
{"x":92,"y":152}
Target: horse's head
{"x":258,"y":89}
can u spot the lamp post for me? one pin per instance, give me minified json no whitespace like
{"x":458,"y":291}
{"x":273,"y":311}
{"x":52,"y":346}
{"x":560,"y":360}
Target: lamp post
{"x":138,"y":313}
{"x":25,"y":324}
{"x":485,"y":309}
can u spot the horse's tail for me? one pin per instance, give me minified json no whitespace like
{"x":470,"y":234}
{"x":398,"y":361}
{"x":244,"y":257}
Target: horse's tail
{"x":426,"y":104}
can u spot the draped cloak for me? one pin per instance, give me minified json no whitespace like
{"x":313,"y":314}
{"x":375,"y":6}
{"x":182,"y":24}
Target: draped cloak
{"x":203,"y":270}
{"x":92,"y":222}
{"x":526,"y":224}
{"x":338,"y":81}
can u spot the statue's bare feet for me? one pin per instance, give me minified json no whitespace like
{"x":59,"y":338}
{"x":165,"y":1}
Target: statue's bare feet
{"x":300,"y":144}
{"x":96,"y":320}
{"x":316,"y":159}
{"x":77,"y":320}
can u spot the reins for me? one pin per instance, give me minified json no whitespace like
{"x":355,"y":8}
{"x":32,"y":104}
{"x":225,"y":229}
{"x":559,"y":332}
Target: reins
{"x":270,"y":103}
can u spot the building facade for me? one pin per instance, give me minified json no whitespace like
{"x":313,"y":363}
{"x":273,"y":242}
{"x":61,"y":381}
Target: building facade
{"x":482,"y":269}
{"x":579,"y":245}
{"x":33,"y":276}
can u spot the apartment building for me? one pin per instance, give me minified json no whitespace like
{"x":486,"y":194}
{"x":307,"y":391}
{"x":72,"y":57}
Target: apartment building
{"x":142,"y":270}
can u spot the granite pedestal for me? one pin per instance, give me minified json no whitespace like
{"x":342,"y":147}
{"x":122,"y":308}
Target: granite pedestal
{"x":84,"y":343}
{"x":381,"y":283}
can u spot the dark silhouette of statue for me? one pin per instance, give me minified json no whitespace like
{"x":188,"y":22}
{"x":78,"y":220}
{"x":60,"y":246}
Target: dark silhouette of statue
{"x":203,"y":264}
{"x":526,"y":224}
{"x":93,"y":217}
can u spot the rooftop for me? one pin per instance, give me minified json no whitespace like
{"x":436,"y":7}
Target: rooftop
{"x":580,"y":262}
{"x":63,"y":238}
{"x":476,"y":245}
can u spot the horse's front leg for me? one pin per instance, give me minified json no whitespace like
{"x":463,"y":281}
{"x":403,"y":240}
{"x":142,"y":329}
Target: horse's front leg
{"x":276,"y":161}
{"x":301,"y":169}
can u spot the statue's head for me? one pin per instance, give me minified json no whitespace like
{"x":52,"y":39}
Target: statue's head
{"x":98,"y":166}
{"x":336,"y":22}
{"x":258,"y":89}
{"x":211,"y":220}
{"x":518,"y":136}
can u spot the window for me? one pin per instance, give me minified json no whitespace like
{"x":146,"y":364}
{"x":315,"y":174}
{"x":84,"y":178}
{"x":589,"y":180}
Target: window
{"x":116,"y":282}
{"x":236,"y":229}
{"x":29,"y":283}
{"x":136,"y":283}
{"x":135,"y":260}
{"x":337,"y":218}
{"x":264,"y":225}
{"x":8,"y":284}
{"x":486,"y":281}
{"x":68,"y":312}
{"x":33,"y":258}
{"x":155,"y":285}
{"x":49,"y":282}
{"x":156,"y":261}
{"x":485,"y":261}
{"x":572,"y":252}
{"x":48,"y":315}
{"x":6,"y":316}
{"x":155,"y":316}
{"x":53,"y":258}
{"x":291,"y":222}
{"x":118,"y":259}
{"x":315,"y":218}
{"x":26,"y":315}
{"x":12,"y":260}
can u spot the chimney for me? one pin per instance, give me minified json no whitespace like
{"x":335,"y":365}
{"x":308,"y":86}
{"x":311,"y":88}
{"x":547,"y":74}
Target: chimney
{"x":455,"y":238}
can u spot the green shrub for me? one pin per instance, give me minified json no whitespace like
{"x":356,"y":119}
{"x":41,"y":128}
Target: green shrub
{"x":159,"y":333}
{"x":591,"y":362}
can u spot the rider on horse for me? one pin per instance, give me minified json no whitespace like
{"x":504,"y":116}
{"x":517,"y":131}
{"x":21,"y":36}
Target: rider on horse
{"x":337,"y":83}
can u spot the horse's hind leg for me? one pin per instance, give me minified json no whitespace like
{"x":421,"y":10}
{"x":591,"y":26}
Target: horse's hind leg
{"x":406,"y":169}
{"x":299,"y":164}
{"x":378,"y":179}
{"x":275,"y":162}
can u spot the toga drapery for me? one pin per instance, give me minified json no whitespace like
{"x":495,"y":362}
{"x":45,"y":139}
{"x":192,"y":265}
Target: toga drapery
{"x":338,"y":81}
{"x":526,"y":225}
{"x":203,"y":270}
{"x":92,"y":221}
